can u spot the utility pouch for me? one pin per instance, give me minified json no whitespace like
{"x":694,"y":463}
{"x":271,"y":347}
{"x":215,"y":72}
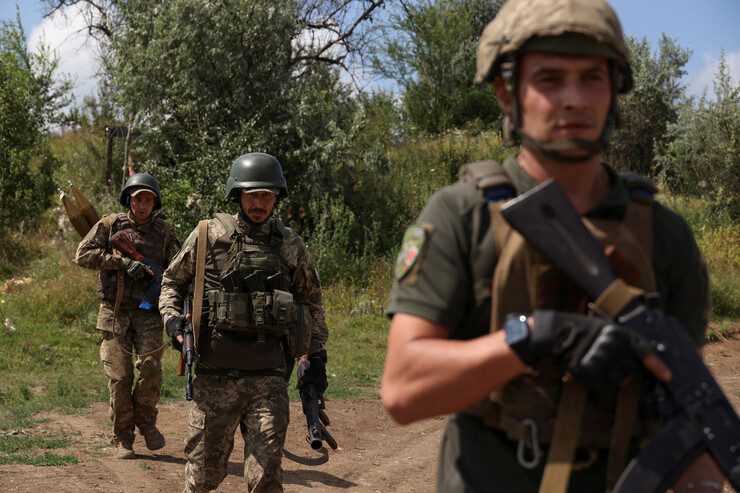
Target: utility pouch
{"x":282,"y":302}
{"x":230,"y":311}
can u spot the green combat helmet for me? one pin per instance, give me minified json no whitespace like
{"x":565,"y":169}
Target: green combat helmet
{"x":256,"y":170}
{"x":576,"y":27}
{"x":137,"y":182}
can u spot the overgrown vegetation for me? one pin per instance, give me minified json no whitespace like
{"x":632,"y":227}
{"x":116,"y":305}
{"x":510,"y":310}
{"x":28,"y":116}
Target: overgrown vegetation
{"x":30,"y":99}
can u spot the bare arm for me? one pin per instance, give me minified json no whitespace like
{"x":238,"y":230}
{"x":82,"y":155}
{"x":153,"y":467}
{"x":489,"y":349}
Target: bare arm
{"x":427,"y":374}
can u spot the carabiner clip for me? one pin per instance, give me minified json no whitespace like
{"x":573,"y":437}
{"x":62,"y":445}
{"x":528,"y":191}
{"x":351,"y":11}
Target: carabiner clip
{"x":532,"y":443}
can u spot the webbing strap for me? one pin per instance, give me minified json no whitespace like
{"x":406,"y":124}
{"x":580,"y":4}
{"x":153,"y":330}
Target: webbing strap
{"x":625,"y":416}
{"x":616,"y":297}
{"x":564,"y":439}
{"x":200,"y":274}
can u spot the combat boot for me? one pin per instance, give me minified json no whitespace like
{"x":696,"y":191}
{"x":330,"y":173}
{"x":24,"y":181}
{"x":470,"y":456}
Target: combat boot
{"x":152,"y":436}
{"x":124,"y":451}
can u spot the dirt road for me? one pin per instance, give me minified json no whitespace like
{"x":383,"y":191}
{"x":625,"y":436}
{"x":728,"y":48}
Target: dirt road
{"x":374,"y":456}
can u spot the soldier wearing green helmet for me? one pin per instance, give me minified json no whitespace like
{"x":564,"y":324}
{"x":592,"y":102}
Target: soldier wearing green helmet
{"x":486,"y":330}
{"x":262,"y":306}
{"x":129,"y":326}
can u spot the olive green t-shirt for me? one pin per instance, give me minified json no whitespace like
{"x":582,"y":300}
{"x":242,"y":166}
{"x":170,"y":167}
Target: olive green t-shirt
{"x":448,"y":257}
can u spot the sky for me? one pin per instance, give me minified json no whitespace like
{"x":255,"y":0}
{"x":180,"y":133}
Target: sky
{"x":704,"y":26}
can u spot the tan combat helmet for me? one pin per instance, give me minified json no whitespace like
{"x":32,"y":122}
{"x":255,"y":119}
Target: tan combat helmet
{"x":578,"y":27}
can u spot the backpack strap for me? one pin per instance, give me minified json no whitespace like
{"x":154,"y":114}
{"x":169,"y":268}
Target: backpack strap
{"x":639,"y":215}
{"x":490,"y":180}
{"x":108,"y":221}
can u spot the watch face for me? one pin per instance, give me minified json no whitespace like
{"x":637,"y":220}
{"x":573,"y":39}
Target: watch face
{"x":516,"y":329}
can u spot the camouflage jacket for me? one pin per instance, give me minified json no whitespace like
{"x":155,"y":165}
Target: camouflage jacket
{"x":303,"y":278}
{"x":95,"y":252}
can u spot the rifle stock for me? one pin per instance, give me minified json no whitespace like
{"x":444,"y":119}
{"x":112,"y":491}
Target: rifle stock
{"x":316,"y":418}
{"x":700,"y":416}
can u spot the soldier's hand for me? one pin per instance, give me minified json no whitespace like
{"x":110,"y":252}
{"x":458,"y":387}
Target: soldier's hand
{"x":175,"y":327}
{"x":315,"y":373}
{"x":135,"y":269}
{"x":594,"y":350}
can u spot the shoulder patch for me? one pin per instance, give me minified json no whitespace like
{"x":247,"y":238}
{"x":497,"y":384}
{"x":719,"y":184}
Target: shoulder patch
{"x":412,"y":248}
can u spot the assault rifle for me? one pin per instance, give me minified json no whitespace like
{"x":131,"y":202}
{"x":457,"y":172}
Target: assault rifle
{"x":316,"y":418}
{"x":188,"y":354}
{"x":699,"y":416}
{"x":123,"y":243}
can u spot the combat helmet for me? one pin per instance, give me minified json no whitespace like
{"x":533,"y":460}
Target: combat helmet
{"x":578,"y":27}
{"x":140,"y":181}
{"x":256,"y":170}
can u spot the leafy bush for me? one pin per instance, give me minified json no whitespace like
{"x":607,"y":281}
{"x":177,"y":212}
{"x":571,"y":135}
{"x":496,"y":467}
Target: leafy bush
{"x":30,"y":99}
{"x":721,"y":249}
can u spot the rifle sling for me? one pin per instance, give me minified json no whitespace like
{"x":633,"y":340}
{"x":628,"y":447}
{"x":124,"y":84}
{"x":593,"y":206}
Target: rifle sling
{"x":564,"y":439}
{"x":200,"y":272}
{"x":625,"y":417}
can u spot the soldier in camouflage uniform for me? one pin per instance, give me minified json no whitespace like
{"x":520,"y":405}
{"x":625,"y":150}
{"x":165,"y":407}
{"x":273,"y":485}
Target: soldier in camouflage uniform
{"x":483,"y":327}
{"x":240,"y":375}
{"x":126,"y":327}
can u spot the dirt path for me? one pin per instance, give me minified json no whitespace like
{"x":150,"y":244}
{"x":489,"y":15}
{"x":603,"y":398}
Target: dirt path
{"x":374,"y":456}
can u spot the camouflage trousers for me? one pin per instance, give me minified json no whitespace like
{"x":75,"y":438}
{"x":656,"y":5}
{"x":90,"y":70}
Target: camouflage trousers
{"x":140,"y":332}
{"x":259,"y":407}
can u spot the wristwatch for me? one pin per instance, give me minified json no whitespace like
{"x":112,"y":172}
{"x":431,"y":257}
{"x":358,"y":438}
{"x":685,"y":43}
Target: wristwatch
{"x":517,"y":335}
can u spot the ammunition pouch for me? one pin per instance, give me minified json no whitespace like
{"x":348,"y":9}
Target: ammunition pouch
{"x":264,"y":314}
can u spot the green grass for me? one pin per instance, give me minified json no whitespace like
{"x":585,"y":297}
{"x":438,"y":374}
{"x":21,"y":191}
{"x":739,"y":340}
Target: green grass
{"x":45,"y":459}
{"x":11,"y":445}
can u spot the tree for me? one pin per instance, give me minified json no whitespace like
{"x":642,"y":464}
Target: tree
{"x":429,"y":50}
{"x":30,"y":101}
{"x":702,"y":156}
{"x":651,"y":105}
{"x":204,"y":82}
{"x":328,"y":32}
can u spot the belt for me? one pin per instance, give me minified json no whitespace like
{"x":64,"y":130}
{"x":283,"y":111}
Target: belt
{"x":237,"y":373}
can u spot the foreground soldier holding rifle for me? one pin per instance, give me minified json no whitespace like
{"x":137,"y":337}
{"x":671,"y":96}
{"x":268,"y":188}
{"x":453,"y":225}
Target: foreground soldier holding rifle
{"x":555,"y":384}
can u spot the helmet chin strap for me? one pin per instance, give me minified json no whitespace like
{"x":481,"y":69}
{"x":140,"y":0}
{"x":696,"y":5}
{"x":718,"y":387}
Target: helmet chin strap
{"x":565,"y":150}
{"x":561,"y":150}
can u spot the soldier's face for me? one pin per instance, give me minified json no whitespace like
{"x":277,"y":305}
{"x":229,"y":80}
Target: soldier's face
{"x":142,"y":205}
{"x":258,"y":205}
{"x":563,"y":96}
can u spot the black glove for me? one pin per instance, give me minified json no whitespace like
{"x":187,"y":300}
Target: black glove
{"x":594,"y":350}
{"x":134,"y":268}
{"x":175,"y":326}
{"x":316,"y":372}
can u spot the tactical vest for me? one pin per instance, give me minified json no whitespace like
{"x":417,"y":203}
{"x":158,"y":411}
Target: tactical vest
{"x":523,"y":280}
{"x":250,"y":313}
{"x":152,"y":244}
